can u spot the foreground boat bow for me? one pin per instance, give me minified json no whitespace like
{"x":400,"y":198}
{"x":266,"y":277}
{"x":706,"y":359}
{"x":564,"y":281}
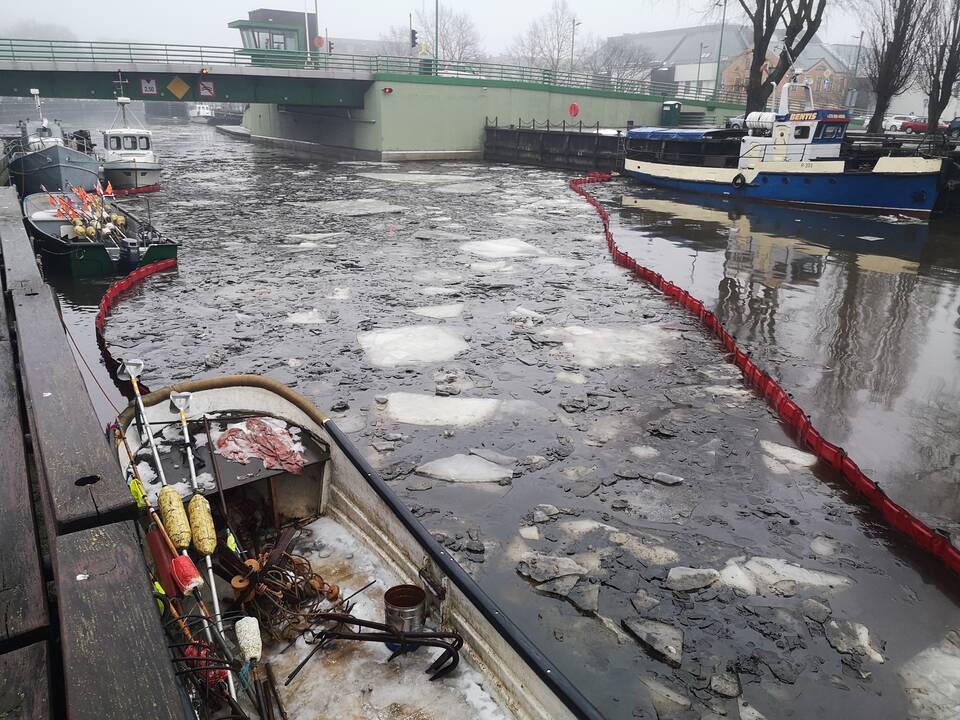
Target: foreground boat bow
{"x":304,"y":467}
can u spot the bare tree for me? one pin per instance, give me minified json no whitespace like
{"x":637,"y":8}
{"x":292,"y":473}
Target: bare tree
{"x":800,"y":20}
{"x":617,"y":58}
{"x":939,"y":66}
{"x":458,"y":38}
{"x":547,"y":41}
{"x":396,"y":41}
{"x":894,"y":28}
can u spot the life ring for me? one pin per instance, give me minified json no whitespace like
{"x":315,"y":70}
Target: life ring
{"x":739,"y":181}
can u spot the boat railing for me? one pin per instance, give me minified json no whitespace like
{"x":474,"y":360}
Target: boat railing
{"x":104,"y":52}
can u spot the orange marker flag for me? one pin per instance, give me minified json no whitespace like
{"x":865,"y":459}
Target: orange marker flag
{"x":109,"y":190}
{"x":99,"y":189}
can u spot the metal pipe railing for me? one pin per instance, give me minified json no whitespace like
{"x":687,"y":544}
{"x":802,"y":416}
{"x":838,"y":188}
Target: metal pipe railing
{"x":24,"y":50}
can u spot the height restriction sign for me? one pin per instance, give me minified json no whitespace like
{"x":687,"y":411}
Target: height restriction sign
{"x":206,"y":89}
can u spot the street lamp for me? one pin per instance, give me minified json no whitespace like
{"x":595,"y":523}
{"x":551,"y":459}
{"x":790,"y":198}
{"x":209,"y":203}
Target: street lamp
{"x":700,"y":57}
{"x":723,"y":22}
{"x":574,"y":23}
{"x":852,"y":89}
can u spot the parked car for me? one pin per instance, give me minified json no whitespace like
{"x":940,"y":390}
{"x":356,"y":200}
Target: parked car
{"x":953,"y":129}
{"x":736,"y":123}
{"x":894,"y":123}
{"x":916,"y":125}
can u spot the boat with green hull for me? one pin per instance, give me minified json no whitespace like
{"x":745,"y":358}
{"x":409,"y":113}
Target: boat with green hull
{"x":88,"y":235}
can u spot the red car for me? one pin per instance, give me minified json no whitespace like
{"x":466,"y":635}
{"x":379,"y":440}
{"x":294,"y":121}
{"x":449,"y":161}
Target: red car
{"x":919,"y":126}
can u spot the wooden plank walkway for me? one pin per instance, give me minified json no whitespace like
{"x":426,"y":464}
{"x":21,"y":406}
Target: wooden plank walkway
{"x":115,"y":657}
{"x":24,"y":684}
{"x":23,"y":599}
{"x":104,"y":653}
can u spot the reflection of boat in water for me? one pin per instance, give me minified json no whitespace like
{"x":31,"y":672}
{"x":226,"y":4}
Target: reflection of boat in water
{"x":90,"y":235}
{"x":785,"y":157}
{"x":315,"y":539}
{"x":880,"y":245}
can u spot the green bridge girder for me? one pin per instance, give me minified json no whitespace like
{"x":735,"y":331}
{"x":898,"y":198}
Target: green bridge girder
{"x":227,"y":87}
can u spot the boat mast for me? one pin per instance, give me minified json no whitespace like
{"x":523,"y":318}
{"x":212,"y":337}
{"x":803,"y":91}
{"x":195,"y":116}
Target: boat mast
{"x":122,"y":100}
{"x":36,"y":96}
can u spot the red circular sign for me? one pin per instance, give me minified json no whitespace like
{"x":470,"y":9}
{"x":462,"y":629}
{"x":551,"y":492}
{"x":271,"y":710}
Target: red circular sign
{"x":318,"y":42}
{"x":574,"y":109}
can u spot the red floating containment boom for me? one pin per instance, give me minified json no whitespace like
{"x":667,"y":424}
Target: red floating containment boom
{"x":791,"y":414}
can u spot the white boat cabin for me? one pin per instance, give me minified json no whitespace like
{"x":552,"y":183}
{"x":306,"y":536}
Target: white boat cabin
{"x":127,"y":143}
{"x":794,"y":134}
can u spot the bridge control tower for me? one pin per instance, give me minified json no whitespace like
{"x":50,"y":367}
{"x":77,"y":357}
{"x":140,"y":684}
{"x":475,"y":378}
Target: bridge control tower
{"x":278,"y":30}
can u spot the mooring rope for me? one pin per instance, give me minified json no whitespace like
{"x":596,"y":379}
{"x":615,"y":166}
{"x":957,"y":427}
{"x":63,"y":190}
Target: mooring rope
{"x":931,"y":541}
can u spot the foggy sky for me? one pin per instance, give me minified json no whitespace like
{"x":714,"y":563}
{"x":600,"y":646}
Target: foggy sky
{"x":204,"y":22}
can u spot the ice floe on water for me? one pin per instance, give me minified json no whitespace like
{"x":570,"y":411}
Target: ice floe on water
{"x":788,"y":455}
{"x":434,"y":290}
{"x":501,"y":248}
{"x":340,"y":293}
{"x":417,"y":409}
{"x":610,"y":346}
{"x":316,"y":237}
{"x":411,"y":345}
{"x":350,"y":208}
{"x":439,"y":312}
{"x":570,"y":378}
{"x":931,"y":679}
{"x":562,"y":262}
{"x":644,"y":452}
{"x":465,"y":469}
{"x":466,"y":188}
{"x":494,"y":266}
{"x":418,"y":178}
{"x":765,"y":575}
{"x":306,"y":317}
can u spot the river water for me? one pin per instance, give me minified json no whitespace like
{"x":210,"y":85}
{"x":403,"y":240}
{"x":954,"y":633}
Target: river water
{"x":444,"y":308}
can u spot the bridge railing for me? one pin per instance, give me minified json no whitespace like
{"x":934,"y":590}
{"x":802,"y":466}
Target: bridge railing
{"x":75,"y":51}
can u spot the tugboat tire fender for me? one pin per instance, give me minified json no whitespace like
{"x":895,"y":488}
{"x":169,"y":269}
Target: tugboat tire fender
{"x":739,"y":181}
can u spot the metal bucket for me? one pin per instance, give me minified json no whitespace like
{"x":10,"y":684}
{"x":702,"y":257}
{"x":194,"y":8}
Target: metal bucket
{"x":404,"y":608}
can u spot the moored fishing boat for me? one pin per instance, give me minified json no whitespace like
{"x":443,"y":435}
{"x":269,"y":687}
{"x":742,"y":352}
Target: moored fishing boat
{"x":200,"y":112}
{"x":44,"y":157}
{"x":321,"y":579}
{"x":789,"y":157}
{"x":130,"y":163}
{"x":87,"y":234}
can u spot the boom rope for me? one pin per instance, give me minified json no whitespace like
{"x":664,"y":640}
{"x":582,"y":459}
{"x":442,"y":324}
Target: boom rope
{"x":927,"y":539}
{"x":110,"y":298}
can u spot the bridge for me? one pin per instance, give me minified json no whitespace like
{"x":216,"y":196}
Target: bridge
{"x":411,"y":107}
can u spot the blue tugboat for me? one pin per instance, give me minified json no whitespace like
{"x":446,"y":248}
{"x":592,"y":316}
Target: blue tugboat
{"x":791,"y":157}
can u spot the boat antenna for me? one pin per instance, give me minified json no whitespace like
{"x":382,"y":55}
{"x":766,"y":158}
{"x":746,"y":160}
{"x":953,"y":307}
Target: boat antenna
{"x":36,"y":97}
{"x":121,"y":97}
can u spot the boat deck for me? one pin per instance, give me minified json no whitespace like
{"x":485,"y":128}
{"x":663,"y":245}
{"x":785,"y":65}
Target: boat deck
{"x":354,"y":680}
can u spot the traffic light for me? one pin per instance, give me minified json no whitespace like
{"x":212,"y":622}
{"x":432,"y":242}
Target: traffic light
{"x":413,"y":38}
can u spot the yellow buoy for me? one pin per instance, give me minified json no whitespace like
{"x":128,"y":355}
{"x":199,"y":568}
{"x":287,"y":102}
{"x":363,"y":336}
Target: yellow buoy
{"x":79,"y":229}
{"x":174,"y":517}
{"x":201,"y":525}
{"x":91,"y":231}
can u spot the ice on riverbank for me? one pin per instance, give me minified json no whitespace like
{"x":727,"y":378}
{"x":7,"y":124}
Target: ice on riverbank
{"x":411,"y":345}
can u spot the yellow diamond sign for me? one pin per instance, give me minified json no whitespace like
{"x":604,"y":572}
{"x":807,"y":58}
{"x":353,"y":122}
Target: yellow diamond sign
{"x":178,"y":87}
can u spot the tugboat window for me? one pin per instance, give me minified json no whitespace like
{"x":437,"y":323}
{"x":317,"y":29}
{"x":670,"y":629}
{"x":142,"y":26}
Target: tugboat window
{"x":802,"y":132}
{"x":114,"y":142}
{"x":144,"y":142}
{"x":831,"y":131}
{"x":129,"y":142}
